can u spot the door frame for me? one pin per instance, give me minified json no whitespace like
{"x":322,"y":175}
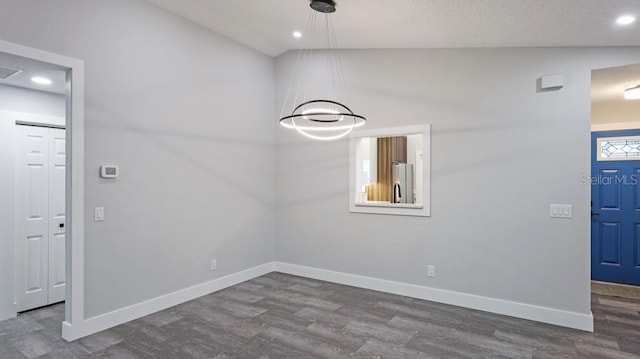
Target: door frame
{"x":612,"y":130}
{"x":74,"y":196}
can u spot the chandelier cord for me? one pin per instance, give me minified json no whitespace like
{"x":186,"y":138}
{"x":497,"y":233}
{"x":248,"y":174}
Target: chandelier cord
{"x":308,"y":53}
{"x":325,"y":118}
{"x":296,"y":70}
{"x":329,"y":59}
{"x":337,"y":59}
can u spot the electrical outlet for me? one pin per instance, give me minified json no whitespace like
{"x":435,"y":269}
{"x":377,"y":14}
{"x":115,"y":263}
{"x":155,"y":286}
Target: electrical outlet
{"x":431,"y":270}
{"x":214,"y":264}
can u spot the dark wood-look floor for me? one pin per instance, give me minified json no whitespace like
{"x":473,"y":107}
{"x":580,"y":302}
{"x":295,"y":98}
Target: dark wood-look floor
{"x":283,"y":316}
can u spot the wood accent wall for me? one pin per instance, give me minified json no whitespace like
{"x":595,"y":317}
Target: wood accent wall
{"x":390,"y":150}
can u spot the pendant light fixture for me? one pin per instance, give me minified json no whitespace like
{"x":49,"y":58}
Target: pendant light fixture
{"x":322,"y":118}
{"x":632,"y":93}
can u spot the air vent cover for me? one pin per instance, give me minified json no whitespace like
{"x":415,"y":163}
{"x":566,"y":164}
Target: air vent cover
{"x":6,"y":72}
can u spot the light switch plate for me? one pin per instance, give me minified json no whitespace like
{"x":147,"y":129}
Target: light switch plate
{"x":561,"y":211}
{"x":99,"y":214}
{"x":431,"y":270}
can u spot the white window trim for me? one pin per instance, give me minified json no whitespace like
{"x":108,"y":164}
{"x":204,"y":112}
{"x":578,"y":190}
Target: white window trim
{"x":422,"y":209}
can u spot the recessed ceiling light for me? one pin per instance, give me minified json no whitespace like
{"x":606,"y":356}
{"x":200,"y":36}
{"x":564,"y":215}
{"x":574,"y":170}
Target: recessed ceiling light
{"x":626,"y":20}
{"x":297,"y":34}
{"x":632,"y":93}
{"x":41,"y":80}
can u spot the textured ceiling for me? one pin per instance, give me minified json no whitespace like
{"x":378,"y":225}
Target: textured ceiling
{"x":609,"y":84}
{"x":266,"y":25}
{"x":607,"y":94}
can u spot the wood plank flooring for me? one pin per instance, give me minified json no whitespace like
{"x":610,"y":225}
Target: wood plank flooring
{"x":284,"y":316}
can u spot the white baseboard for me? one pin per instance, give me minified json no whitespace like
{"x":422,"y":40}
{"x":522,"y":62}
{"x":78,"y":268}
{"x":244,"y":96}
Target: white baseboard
{"x":79,"y":329}
{"x":563,"y":318}
{"x":519,"y":310}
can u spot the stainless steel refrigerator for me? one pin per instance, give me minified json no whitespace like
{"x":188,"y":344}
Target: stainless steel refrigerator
{"x":402,"y":183}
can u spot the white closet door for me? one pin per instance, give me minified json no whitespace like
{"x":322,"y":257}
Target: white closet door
{"x":56,"y":215}
{"x":40,"y":217}
{"x":32,"y":217}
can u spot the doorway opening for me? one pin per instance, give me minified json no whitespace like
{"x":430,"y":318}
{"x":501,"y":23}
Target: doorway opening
{"x":53,"y":229}
{"x":615,"y":182}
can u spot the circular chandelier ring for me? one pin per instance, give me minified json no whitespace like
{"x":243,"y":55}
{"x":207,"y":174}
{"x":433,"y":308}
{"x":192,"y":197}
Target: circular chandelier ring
{"x":321,"y":101}
{"x":330,"y":117}
{"x":339,"y":114}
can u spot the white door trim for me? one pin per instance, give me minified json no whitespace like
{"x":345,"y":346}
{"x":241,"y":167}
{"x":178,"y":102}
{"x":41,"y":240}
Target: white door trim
{"x":7,"y":223}
{"x":74,"y":307}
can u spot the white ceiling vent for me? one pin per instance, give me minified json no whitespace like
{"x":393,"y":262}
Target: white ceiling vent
{"x":6,"y":72}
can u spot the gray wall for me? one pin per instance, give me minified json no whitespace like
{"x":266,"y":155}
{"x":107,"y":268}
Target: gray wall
{"x":606,"y":113}
{"x":501,"y":154}
{"x":30,"y":101}
{"x":188,"y":117}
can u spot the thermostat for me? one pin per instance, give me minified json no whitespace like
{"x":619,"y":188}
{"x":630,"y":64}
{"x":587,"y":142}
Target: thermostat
{"x":108,"y":171}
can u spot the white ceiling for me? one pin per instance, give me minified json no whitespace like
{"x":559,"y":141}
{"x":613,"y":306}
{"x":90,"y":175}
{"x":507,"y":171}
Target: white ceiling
{"x":267,"y":25}
{"x":31,"y":68}
{"x":609,"y":84}
{"x":607,"y":94}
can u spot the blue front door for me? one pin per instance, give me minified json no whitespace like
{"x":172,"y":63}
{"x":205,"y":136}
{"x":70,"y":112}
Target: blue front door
{"x":615,"y":207}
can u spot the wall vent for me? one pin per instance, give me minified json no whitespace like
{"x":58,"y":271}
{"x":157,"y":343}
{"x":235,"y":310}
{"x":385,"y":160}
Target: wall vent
{"x":6,"y":72}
